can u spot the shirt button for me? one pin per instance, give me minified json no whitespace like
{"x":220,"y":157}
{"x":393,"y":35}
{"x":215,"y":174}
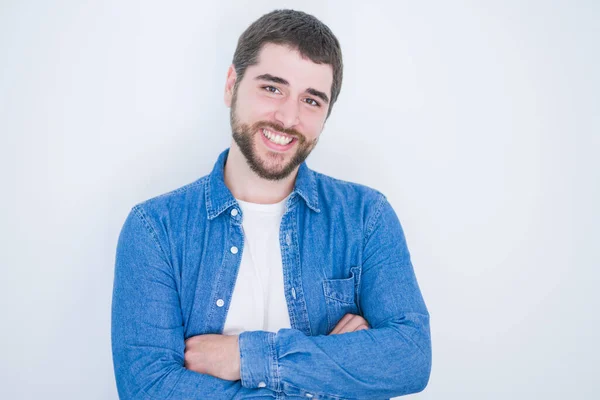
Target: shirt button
{"x":234,"y":250}
{"x":234,"y":212}
{"x":309,"y":395}
{"x":262,"y":384}
{"x":220,"y":302}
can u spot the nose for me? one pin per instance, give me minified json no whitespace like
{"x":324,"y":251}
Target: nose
{"x":287,"y":114}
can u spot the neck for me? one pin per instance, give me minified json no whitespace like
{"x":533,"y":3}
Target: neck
{"x":246,"y":185}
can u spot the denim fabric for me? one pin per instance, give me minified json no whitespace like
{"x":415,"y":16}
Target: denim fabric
{"x":343,"y":251}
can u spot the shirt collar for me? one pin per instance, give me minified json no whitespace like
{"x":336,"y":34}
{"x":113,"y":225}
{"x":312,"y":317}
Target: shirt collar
{"x":219,"y":197}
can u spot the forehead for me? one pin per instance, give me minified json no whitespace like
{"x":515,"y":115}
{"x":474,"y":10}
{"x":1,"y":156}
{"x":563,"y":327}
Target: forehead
{"x":286,"y":63}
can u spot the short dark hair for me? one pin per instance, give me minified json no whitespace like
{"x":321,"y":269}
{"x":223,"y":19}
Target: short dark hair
{"x":297,"y":30}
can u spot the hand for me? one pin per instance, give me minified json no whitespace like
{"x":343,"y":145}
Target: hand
{"x":350,"y":323}
{"x":216,"y":355}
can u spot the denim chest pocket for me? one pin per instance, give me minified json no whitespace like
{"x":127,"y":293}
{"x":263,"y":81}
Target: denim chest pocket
{"x":340,"y":298}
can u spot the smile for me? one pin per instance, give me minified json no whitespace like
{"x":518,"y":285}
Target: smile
{"x":277,"y":138}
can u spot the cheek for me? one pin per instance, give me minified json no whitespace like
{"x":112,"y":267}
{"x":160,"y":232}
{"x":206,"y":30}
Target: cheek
{"x":262,"y":104}
{"x":312,"y":123}
{"x":251,"y":107}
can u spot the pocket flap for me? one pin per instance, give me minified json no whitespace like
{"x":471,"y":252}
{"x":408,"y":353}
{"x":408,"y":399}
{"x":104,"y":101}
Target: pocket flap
{"x":340,"y":289}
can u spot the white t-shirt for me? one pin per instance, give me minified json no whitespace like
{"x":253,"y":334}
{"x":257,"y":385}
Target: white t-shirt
{"x":258,"y":302}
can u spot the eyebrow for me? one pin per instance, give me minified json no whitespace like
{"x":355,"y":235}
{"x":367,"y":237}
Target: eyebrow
{"x":281,"y":81}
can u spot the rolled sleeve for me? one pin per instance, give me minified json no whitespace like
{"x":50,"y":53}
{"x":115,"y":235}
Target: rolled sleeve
{"x":258,"y":365}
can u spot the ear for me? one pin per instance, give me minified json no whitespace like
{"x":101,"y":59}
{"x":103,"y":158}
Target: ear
{"x":229,"y":82}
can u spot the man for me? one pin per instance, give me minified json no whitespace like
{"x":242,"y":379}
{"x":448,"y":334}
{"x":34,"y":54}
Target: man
{"x":265,"y":279}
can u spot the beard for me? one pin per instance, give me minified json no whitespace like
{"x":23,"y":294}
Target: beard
{"x":275,"y":167}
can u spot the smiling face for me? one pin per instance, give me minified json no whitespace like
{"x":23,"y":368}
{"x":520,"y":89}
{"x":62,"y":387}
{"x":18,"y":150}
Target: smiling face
{"x":278,"y":109}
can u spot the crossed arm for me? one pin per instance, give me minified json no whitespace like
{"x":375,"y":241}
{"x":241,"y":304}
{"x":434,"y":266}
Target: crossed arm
{"x":219,"y":355}
{"x":390,"y":359}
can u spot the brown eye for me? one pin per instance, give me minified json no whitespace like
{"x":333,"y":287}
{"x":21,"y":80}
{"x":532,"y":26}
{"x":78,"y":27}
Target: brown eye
{"x":313,"y":102}
{"x":268,"y":88}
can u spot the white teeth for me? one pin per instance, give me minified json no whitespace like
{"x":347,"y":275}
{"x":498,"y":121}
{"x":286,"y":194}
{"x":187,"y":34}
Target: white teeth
{"x":281,"y":140}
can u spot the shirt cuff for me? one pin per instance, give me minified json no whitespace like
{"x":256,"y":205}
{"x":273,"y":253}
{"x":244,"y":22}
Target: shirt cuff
{"x":258,"y":360}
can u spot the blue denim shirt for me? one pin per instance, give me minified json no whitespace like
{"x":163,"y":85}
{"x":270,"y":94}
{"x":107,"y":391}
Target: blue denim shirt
{"x":343,"y":251}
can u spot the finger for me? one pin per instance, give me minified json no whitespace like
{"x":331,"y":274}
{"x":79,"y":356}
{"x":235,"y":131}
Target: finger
{"x":362,"y":327}
{"x":353,"y":324}
{"x":341,"y":323}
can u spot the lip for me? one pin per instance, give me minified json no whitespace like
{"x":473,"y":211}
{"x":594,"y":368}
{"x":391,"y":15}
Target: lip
{"x":275,"y":146}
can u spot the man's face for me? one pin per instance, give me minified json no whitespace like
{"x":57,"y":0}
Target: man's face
{"x":278,"y":110}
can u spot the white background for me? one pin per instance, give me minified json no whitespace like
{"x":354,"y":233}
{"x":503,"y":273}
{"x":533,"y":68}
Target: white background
{"x":479,"y":121}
